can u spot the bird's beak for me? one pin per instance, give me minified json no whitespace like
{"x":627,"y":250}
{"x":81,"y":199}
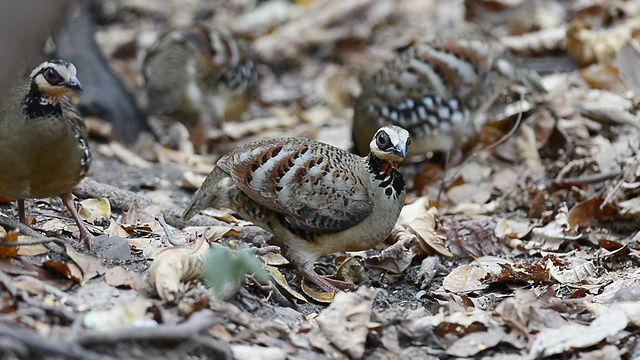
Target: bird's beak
{"x":73,"y":84}
{"x":400,"y":150}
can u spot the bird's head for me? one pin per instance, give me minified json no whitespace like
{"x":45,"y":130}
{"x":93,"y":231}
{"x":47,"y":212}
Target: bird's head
{"x":390,"y":144}
{"x":54,"y":78}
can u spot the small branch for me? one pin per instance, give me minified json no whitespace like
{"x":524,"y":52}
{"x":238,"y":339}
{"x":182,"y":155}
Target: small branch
{"x":57,"y":310}
{"x":26,"y":230}
{"x":584,"y":180}
{"x":32,"y":242}
{"x":264,"y":250}
{"x":167,"y":231}
{"x":49,"y":289}
{"x":118,"y":198}
{"x":46,"y":347}
{"x":6,"y":281}
{"x":198,"y":322}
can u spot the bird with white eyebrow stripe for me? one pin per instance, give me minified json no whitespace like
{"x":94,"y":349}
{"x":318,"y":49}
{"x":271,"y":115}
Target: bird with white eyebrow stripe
{"x":315,"y":199}
{"x":43,"y":145}
{"x":436,"y":90}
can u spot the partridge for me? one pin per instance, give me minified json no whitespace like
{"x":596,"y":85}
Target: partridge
{"x":43,"y":145}
{"x":314,"y":198}
{"x":200,"y":77}
{"x":436,"y":90}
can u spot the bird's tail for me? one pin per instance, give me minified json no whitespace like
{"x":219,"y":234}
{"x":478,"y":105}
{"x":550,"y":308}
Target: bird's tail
{"x":209,"y":194}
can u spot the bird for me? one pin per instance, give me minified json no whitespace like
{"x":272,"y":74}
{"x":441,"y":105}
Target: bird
{"x":200,"y":77}
{"x":316,"y":199}
{"x":43,"y":143}
{"x":436,"y":90}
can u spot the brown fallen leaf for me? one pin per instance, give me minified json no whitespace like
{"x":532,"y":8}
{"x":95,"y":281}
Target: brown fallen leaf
{"x":10,"y":268}
{"x":31,"y":250}
{"x":465,"y":278}
{"x":119,"y":276}
{"x":324,"y":297}
{"x":9,"y":252}
{"x":30,"y":285}
{"x":90,"y":265}
{"x":346,"y":321}
{"x":585,"y":212}
{"x":67,"y":269}
{"x":282,"y":284}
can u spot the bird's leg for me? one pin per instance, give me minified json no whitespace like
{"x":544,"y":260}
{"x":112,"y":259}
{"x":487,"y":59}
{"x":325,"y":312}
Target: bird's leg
{"x":85,"y":236}
{"x":324,"y":282}
{"x":21,"y":212}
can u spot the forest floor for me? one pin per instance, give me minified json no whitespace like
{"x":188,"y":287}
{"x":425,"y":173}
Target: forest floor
{"x":532,"y":253}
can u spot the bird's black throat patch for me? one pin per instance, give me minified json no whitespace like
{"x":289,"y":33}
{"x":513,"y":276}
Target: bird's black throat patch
{"x":390,"y":178}
{"x":34,"y":105}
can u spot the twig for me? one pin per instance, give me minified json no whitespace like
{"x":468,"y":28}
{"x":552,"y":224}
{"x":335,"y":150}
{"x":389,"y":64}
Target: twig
{"x":48,"y":288}
{"x":6,"y":281}
{"x":587,"y":179}
{"x":26,"y":230}
{"x":124,"y":199}
{"x":167,"y":231}
{"x":47,"y":346}
{"x":264,"y":250}
{"x":198,"y":322}
{"x":57,"y":310}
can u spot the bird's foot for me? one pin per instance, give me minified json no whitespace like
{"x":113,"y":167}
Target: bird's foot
{"x":86,"y":237}
{"x":327,"y":283}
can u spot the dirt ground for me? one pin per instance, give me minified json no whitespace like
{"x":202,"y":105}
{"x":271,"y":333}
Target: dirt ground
{"x":532,"y":252}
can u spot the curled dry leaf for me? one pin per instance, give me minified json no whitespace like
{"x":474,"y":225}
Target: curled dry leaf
{"x":576,"y":273}
{"x":67,"y":269}
{"x":394,"y":260}
{"x":352,"y":271}
{"x":95,"y":209}
{"x":585,"y":212}
{"x":598,"y":46}
{"x":465,"y":278}
{"x":630,"y":208}
{"x":324,"y":297}
{"x":540,"y":42}
{"x":282,"y":284}
{"x":90,"y":265}
{"x":421,"y":220}
{"x":174,"y":266}
{"x":346,"y":321}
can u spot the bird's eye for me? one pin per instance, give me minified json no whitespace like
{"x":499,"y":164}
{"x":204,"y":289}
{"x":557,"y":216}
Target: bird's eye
{"x":382,"y":140}
{"x":52,"y":76}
